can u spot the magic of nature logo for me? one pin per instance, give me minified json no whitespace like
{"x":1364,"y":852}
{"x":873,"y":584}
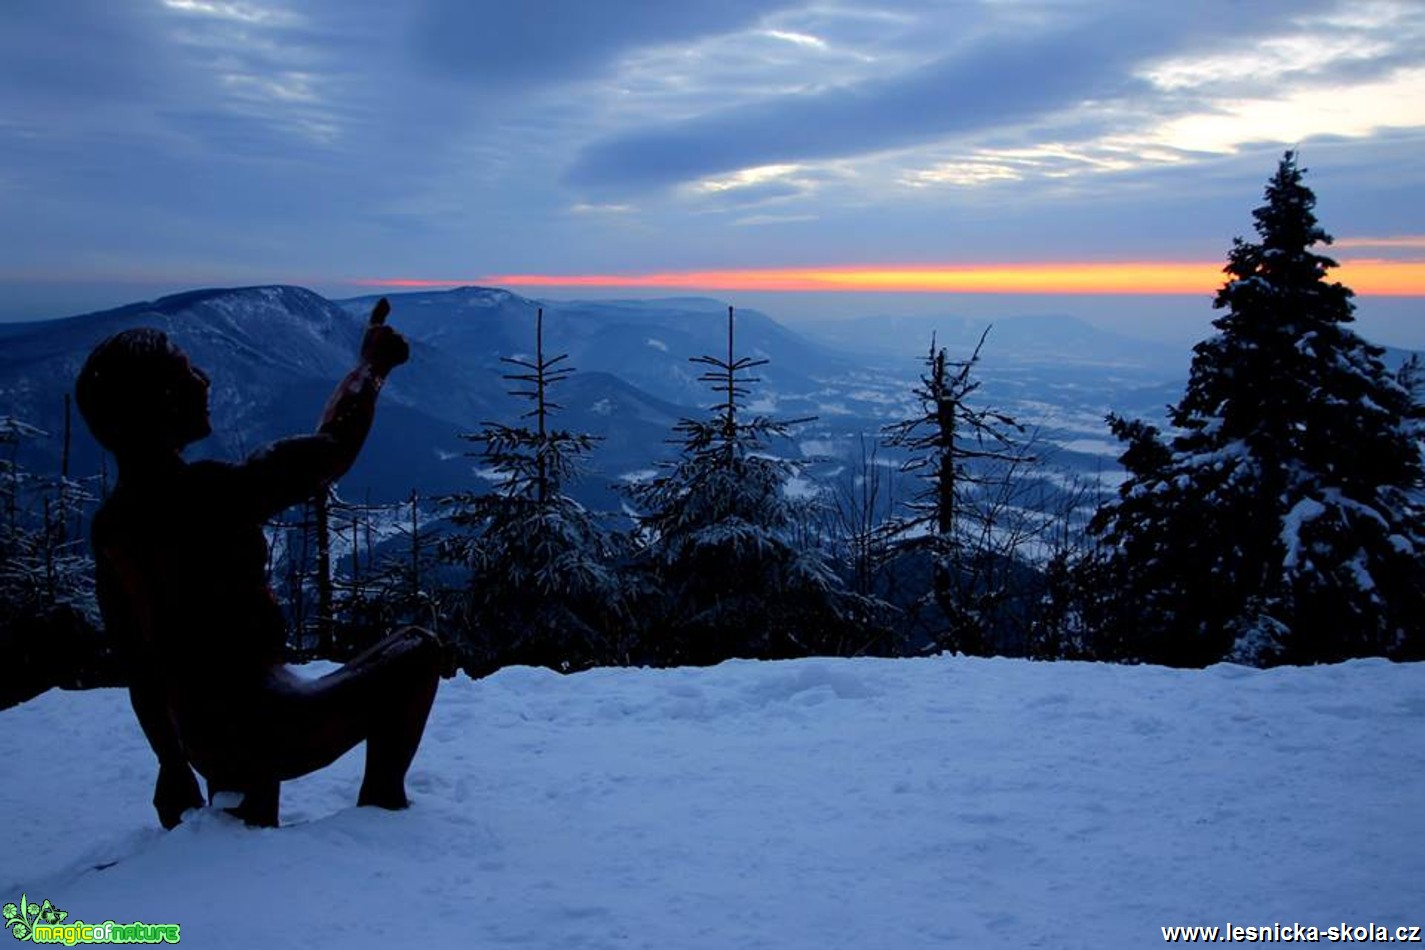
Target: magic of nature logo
{"x":46,"y":923}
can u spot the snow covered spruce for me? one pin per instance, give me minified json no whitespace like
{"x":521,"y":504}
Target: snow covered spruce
{"x":1280,"y":522}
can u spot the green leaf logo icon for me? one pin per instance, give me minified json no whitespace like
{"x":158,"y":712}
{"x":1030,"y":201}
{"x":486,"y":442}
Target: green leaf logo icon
{"x":20,"y":919}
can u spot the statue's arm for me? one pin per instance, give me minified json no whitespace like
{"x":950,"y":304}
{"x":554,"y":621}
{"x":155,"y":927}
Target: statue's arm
{"x":128,"y":617}
{"x":291,"y":471}
{"x":352,"y":406}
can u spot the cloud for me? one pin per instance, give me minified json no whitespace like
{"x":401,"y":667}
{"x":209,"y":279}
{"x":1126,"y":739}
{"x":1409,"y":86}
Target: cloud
{"x":78,"y":52}
{"x":1011,"y":71}
{"x":1409,"y":241}
{"x":504,"y":45}
{"x":87,"y":78}
{"x":276,"y":139}
{"x":761,"y":220}
{"x":993,"y":82}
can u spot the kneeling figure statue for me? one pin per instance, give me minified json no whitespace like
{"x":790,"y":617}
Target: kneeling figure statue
{"x":181,"y":570}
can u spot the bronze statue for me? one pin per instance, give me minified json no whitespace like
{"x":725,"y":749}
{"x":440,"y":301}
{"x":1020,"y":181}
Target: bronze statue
{"x":181,"y":572}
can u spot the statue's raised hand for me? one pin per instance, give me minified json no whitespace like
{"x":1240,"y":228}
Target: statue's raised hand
{"x":382,"y":347}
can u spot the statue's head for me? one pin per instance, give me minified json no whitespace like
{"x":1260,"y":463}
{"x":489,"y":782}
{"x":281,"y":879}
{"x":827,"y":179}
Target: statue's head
{"x":139,"y":394}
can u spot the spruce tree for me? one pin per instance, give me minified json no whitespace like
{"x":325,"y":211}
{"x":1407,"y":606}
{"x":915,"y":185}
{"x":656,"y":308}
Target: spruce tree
{"x":544,"y":588}
{"x":1280,"y":520}
{"x":721,"y":549}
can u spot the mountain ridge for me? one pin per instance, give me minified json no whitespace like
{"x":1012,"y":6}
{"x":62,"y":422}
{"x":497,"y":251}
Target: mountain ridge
{"x":275,"y":351}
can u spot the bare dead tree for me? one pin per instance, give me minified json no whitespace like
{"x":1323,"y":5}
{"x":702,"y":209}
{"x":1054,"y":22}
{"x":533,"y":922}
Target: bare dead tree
{"x":953,"y":445}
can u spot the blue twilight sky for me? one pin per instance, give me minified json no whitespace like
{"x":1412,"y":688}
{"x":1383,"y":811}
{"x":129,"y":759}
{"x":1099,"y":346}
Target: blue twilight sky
{"x":148,"y":146}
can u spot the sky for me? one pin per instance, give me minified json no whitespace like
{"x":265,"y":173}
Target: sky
{"x":814,"y":158}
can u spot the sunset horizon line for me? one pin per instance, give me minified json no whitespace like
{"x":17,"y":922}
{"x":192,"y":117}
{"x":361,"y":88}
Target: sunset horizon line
{"x":1367,"y":276}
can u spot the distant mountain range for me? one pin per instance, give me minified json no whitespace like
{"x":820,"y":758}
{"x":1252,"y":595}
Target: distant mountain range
{"x":645,"y":343}
{"x":274,"y":354}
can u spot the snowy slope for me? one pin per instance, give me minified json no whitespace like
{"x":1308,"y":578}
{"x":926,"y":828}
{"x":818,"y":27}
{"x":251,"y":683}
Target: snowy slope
{"x":805,"y":804}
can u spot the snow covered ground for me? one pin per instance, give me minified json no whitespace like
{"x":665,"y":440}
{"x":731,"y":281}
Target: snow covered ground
{"x":806,"y":804}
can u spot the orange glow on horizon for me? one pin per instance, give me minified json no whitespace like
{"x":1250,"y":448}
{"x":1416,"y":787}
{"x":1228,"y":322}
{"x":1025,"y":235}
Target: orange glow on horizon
{"x":1365,"y":276}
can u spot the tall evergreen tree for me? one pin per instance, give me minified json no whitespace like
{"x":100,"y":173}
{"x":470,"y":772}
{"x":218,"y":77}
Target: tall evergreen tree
{"x":721,"y":549}
{"x":544,"y":589}
{"x":1280,"y":521}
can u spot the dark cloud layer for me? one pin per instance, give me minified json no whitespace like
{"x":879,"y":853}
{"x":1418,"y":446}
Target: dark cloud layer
{"x":78,"y":52}
{"x":504,"y":44}
{"x":1000,"y":78}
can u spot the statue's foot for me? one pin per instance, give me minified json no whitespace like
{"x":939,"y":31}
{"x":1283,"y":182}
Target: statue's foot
{"x":255,"y":818}
{"x":390,"y":799}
